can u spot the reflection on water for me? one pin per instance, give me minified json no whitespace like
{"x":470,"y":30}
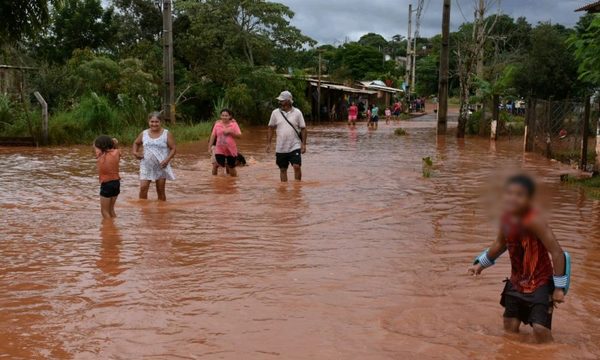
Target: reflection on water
{"x":363,"y":260}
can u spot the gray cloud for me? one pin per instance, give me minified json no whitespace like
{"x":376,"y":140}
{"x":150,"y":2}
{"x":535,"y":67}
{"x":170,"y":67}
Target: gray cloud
{"x":333,"y":21}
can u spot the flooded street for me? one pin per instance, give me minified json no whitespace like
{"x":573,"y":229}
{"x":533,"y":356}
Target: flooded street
{"x":365,"y":259}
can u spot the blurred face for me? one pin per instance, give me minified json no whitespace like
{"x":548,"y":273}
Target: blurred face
{"x":516,"y":200}
{"x":225,"y":116}
{"x":285,"y":104}
{"x":154,"y":123}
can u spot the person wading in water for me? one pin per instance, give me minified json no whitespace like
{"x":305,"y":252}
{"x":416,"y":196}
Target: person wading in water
{"x":158,"y":151}
{"x":538,"y":281}
{"x":289,"y":124}
{"x":224,"y":134}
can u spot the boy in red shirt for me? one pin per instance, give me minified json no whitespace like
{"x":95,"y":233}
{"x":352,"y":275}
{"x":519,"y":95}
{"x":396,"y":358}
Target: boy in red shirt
{"x":536,"y":284}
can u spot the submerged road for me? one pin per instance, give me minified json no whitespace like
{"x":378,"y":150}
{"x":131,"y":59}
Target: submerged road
{"x":365,"y":259}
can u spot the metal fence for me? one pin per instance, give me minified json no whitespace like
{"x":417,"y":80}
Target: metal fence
{"x":556,"y":129}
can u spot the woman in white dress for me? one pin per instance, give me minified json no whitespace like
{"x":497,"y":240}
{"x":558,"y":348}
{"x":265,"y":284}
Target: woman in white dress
{"x":158,"y":151}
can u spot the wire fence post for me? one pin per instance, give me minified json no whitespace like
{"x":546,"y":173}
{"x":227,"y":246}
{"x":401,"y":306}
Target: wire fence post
{"x":495,"y":117}
{"x":530,"y":125}
{"x":597,"y":165}
{"x":44,"y":105}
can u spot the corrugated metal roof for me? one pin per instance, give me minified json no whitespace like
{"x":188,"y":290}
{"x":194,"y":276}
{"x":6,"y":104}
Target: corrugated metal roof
{"x":374,"y":85}
{"x":593,"y":6}
{"x":343,"y":88}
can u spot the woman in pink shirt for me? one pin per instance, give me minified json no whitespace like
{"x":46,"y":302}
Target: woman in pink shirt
{"x":224,"y":133}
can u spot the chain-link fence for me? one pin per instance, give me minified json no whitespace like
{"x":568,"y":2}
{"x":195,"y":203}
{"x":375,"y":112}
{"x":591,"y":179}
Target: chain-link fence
{"x":556,"y":129}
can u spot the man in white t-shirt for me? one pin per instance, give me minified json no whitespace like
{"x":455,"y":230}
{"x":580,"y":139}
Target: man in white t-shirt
{"x":289,"y":124}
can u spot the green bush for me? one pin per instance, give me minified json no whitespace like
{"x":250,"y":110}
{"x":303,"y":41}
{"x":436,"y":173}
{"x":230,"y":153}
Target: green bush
{"x":427,"y":167}
{"x":6,"y":111}
{"x":473,"y":123}
{"x":400,"y":132}
{"x":253,"y":97}
{"x":218,"y":106}
{"x":515,"y":128}
{"x":97,"y":113}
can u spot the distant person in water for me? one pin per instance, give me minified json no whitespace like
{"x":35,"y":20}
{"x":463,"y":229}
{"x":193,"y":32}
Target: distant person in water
{"x":352,"y":114}
{"x":537,"y":284}
{"x":397,"y":108}
{"x":288,"y":123}
{"x":374,"y":116}
{"x":224,"y":134}
{"x":388,"y":115}
{"x":158,"y":151}
{"x":107,"y":162}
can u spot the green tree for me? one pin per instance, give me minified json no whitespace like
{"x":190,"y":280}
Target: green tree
{"x":373,"y":40}
{"x":550,"y":68}
{"x":586,"y":43}
{"x":357,"y":60}
{"x":427,"y":75}
{"x":22,"y":18}
{"x":77,"y":24}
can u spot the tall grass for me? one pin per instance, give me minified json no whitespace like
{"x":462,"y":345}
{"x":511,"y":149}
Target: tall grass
{"x":94,"y":115}
{"x":6,"y":111}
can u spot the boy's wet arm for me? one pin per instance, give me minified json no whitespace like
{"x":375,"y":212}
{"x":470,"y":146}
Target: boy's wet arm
{"x":498,"y":247}
{"x":541,"y":229}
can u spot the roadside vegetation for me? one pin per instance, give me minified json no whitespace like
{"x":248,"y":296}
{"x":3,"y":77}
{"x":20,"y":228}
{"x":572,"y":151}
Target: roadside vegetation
{"x":99,"y":64}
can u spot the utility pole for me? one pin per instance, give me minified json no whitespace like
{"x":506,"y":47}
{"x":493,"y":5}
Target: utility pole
{"x":414,"y":64}
{"x":442,"y":124}
{"x":408,"y":51}
{"x":419,"y":13}
{"x":168,"y":71}
{"x":319,"y":87}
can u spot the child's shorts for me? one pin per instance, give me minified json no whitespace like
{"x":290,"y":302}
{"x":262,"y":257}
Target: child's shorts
{"x":534,"y":308}
{"x":110,"y":189}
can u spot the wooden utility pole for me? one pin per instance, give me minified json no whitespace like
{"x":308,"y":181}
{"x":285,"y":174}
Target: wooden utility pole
{"x":585,"y":134}
{"x":319,"y":87}
{"x":442,"y":124}
{"x":414,"y":64}
{"x":408,"y":51}
{"x":168,"y":71}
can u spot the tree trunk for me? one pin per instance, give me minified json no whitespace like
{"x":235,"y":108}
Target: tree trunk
{"x":463,"y":115}
{"x":483,"y":124}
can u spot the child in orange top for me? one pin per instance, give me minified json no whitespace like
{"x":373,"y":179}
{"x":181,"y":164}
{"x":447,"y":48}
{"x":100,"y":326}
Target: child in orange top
{"x":108,"y":156}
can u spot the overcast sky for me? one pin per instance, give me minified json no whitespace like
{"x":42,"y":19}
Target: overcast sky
{"x":331,"y":21}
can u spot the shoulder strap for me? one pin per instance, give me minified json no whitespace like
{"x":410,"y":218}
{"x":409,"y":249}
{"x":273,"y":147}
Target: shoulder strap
{"x":293,"y":127}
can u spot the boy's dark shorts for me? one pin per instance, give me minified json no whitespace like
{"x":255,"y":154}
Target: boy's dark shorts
{"x":375,"y":119}
{"x":534,"y":308}
{"x":283,"y":160}
{"x":222,"y":159}
{"x":110,"y":189}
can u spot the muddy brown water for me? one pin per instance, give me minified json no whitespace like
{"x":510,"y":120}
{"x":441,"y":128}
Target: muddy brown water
{"x":365,"y":259}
